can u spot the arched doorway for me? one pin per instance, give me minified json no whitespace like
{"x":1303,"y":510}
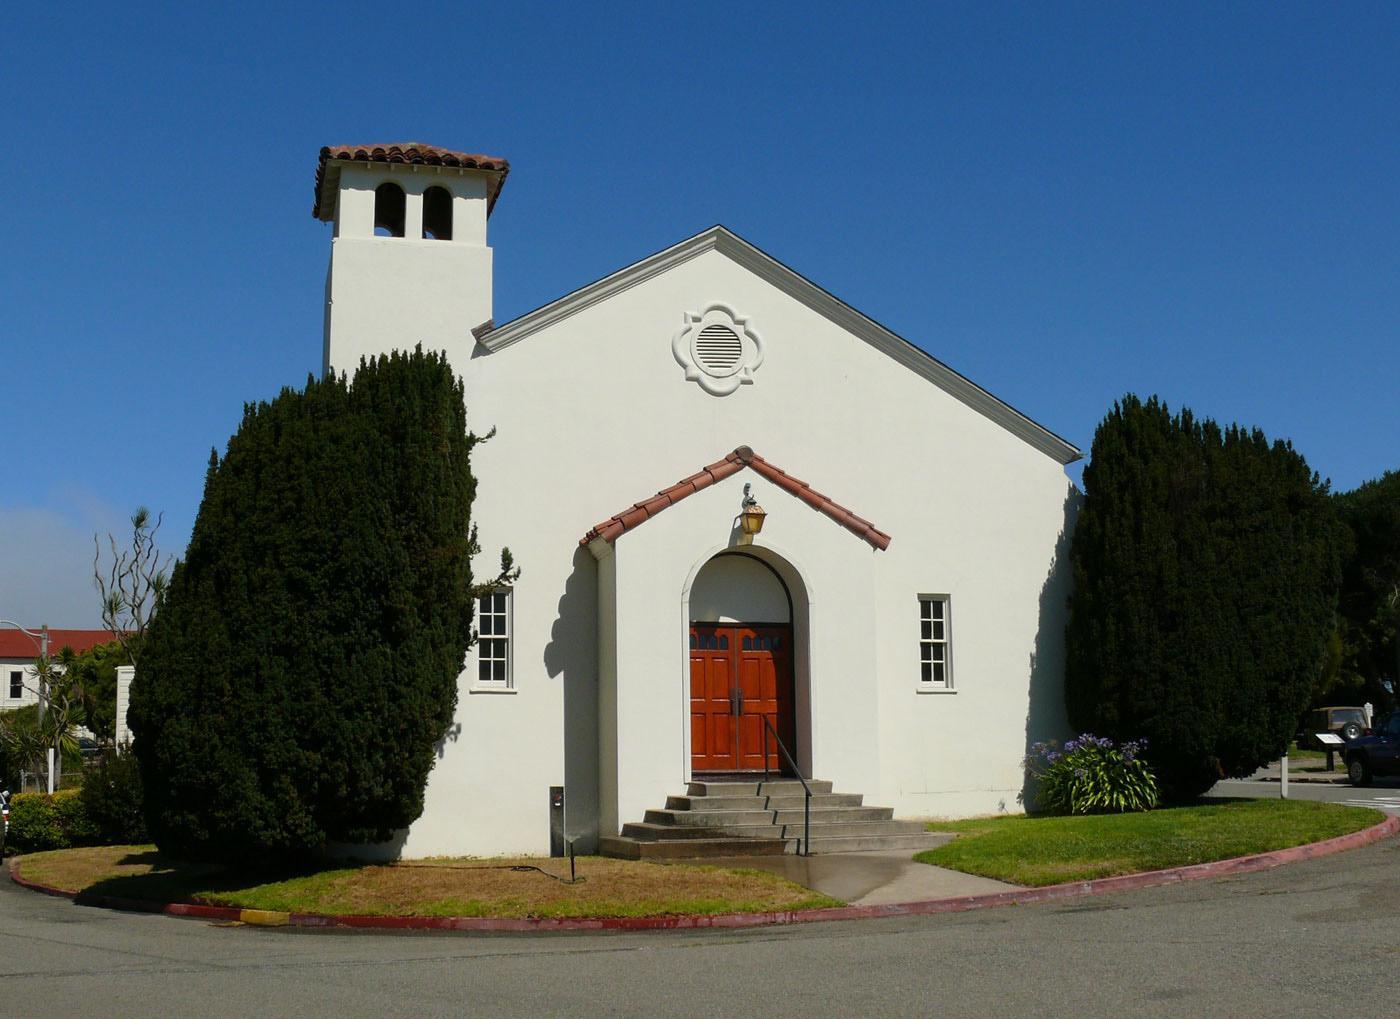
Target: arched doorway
{"x":742,"y":686}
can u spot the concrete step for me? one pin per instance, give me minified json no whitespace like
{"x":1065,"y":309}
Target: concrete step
{"x":773,"y":787}
{"x":871,"y":843}
{"x":624,"y":848}
{"x":730,"y":818}
{"x":820,"y":801}
{"x":831,"y":829}
{"x":646,"y":831}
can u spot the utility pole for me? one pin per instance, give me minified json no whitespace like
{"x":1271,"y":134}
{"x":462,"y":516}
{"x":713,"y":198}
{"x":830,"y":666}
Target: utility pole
{"x":42,"y":636}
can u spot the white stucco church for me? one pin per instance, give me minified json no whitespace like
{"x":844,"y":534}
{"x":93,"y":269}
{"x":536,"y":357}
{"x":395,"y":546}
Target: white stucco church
{"x":896,"y":621}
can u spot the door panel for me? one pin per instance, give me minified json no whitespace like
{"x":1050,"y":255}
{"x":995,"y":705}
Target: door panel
{"x":739,"y":675}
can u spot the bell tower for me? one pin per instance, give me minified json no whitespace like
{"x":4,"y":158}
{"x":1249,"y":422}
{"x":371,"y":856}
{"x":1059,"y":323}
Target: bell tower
{"x":409,"y":259}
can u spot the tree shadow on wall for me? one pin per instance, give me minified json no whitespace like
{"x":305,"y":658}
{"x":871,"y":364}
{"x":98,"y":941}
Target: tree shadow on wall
{"x":572,"y":657}
{"x":1046,"y":718}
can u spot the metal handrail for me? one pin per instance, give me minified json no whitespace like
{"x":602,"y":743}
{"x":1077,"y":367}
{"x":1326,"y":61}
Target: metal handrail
{"x":806,"y":848}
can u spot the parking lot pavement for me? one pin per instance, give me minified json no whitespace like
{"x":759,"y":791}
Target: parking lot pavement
{"x":1383,"y":795}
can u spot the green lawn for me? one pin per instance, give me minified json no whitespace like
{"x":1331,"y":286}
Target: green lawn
{"x":1297,"y":754}
{"x":529,"y":887}
{"x":1040,"y":850}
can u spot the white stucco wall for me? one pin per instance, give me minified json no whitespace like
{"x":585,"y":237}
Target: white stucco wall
{"x":593,"y":413}
{"x":738,"y":589}
{"x":28,"y":692}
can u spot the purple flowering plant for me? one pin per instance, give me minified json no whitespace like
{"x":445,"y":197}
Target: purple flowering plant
{"x":1091,"y":775}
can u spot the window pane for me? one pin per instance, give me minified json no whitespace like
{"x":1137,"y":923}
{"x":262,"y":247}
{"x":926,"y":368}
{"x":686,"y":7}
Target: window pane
{"x":925,"y":629}
{"x":925,"y":612}
{"x":935,"y":652}
{"x":927,"y":672}
{"x":938,"y":629}
{"x":500,"y":602}
{"x":936,"y":609}
{"x":925,"y":652}
{"x":483,"y":671}
{"x":938,"y":672}
{"x":498,"y":671}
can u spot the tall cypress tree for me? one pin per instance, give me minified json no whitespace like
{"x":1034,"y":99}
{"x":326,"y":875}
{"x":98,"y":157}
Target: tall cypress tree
{"x":1369,"y":653}
{"x":1206,"y":566}
{"x":304,"y":663}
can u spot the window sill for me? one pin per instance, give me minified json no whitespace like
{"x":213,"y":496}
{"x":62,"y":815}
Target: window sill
{"x":934,"y":690}
{"x":490,"y":689}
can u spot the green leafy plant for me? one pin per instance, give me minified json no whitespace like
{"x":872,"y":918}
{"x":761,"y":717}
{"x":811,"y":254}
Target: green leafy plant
{"x":39,"y":821}
{"x":1207,"y":561}
{"x":1090,"y":775}
{"x":113,"y":799}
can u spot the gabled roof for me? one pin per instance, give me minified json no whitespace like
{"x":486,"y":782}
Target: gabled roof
{"x":719,"y":238}
{"x":618,"y":524}
{"x":14,"y":644}
{"x":328,"y":169}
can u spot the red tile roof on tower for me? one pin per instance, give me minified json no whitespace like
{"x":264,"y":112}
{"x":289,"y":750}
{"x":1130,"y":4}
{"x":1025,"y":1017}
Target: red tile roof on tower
{"x":617,"y":525}
{"x":400,"y":152}
{"x":14,"y":644}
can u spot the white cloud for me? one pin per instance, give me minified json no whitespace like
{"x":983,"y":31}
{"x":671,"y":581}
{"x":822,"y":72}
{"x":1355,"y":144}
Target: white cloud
{"x":46,"y":562}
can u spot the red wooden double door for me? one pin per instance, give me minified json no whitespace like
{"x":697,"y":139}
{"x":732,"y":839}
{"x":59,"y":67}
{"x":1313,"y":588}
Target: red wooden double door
{"x":739,"y":675}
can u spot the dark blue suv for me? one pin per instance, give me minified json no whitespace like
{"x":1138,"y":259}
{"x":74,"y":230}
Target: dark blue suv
{"x":1376,"y":752}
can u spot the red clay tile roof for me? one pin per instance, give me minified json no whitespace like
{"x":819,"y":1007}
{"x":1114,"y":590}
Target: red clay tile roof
{"x":609,"y":530}
{"x":401,"y":152}
{"x":14,"y":644}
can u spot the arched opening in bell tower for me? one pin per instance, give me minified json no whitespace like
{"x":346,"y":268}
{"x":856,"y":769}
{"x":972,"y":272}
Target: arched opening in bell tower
{"x":390,"y":208}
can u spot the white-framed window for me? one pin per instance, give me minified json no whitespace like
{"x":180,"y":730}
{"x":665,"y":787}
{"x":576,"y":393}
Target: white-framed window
{"x":493,"y":645}
{"x":16,"y":684}
{"x":935,"y":643}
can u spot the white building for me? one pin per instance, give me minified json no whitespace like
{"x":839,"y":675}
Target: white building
{"x":19,"y":683}
{"x":898,"y":620}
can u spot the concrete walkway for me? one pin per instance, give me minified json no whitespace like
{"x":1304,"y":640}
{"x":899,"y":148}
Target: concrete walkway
{"x":867,"y":879}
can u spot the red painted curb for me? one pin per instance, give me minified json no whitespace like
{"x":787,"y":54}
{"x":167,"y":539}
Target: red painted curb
{"x":1016,"y":897}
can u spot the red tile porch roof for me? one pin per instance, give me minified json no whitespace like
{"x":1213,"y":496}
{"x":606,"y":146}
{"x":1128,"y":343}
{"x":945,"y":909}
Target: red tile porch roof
{"x":14,"y":644}
{"x":404,"y":152}
{"x":613,"y":527}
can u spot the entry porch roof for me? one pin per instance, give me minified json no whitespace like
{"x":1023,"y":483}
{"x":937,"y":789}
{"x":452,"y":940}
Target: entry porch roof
{"x":615,"y":526}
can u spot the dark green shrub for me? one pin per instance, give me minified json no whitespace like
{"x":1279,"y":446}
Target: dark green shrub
{"x":73,"y":818}
{"x":112,"y":798}
{"x":1367,"y":664}
{"x":304,"y":662}
{"x":39,"y":822}
{"x":1206,"y":567}
{"x":1090,"y":775}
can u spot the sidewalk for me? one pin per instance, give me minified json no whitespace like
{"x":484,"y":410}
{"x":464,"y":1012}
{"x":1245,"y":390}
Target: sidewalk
{"x":867,"y":879}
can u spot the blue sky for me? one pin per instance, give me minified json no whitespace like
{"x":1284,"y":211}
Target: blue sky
{"x":1063,"y":202}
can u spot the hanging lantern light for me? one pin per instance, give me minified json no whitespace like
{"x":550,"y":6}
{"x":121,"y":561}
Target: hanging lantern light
{"x":750,"y":517}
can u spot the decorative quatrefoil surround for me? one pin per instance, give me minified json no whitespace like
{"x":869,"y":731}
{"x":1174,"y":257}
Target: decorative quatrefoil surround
{"x":717,"y":349}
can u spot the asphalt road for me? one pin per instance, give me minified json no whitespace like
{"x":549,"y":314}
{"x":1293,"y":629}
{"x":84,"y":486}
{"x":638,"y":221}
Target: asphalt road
{"x":1310,"y":939}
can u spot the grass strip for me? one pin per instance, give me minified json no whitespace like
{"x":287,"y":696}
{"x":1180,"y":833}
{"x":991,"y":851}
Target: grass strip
{"x":1039,"y":850}
{"x":455,"y":887}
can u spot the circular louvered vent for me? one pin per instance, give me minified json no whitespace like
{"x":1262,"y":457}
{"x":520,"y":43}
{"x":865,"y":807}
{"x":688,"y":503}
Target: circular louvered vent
{"x":718,"y":348}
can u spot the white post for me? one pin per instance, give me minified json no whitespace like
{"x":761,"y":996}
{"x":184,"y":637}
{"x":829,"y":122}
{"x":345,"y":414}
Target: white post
{"x":44,"y":698}
{"x":1283,"y":779}
{"x":1370,"y":709}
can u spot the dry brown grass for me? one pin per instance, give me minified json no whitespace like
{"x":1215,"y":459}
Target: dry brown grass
{"x":524,"y":887}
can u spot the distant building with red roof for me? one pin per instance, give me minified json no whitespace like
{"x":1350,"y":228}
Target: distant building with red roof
{"x":18,"y":652}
